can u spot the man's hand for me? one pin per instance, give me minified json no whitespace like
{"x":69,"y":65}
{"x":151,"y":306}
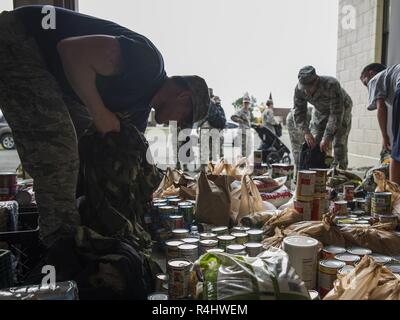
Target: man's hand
{"x":386,"y":143}
{"x":310,"y":140}
{"x":107,"y":122}
{"x":325,"y":145}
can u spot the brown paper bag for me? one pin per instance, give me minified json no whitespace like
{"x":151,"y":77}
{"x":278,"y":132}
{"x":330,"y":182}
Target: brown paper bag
{"x":369,"y":281}
{"x":324,"y":231}
{"x":375,"y":238}
{"x":213,"y":201}
{"x":282,"y":220}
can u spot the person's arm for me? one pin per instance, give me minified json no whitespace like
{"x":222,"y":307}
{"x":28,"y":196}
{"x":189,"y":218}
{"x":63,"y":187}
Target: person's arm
{"x":300,"y":117}
{"x":382,"y":119}
{"x":83,"y":58}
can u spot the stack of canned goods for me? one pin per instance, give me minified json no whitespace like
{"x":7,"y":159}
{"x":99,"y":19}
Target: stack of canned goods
{"x":305,"y":193}
{"x":170,"y":214}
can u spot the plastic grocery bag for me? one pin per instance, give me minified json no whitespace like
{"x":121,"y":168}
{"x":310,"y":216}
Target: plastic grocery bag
{"x":268,"y":276}
{"x":247,"y":200}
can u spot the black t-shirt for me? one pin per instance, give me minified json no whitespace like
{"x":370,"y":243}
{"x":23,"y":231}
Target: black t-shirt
{"x":133,"y":89}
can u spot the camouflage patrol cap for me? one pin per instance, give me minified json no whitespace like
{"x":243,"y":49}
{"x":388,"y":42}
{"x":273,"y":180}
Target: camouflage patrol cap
{"x":200,"y":97}
{"x":307,"y":77}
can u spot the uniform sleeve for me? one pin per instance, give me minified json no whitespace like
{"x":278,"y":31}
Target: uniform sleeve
{"x":300,"y":111}
{"x":336,"y":111}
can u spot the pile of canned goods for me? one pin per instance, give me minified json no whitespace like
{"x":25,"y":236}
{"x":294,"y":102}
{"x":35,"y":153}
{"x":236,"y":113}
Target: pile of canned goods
{"x":182,"y":250}
{"x":311,"y":196}
{"x":376,"y":207}
{"x":167,"y":215}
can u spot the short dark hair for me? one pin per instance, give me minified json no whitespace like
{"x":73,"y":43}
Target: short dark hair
{"x":375,"y":67}
{"x":270,"y":103}
{"x":180,"y":81}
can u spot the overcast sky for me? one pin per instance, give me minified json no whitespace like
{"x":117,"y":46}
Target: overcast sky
{"x":237,"y":46}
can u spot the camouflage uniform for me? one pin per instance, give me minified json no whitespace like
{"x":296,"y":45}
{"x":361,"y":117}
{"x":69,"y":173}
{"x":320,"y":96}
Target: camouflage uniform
{"x":243,"y":118}
{"x":45,"y":137}
{"x":296,"y":135}
{"x":332,"y":115}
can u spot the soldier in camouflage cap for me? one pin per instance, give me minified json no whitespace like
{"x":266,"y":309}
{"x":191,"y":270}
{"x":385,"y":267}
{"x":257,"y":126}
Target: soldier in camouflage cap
{"x":332,"y":117}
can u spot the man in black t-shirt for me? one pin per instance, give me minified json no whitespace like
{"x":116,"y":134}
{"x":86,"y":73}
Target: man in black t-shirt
{"x":53,"y":82}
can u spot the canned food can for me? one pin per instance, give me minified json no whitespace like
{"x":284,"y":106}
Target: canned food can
{"x":344,"y":271}
{"x":327,"y":274}
{"x":220,"y":231}
{"x":205,"y":228}
{"x":188,"y":214}
{"x":348,"y":192}
{"x":255,"y":235}
{"x":206,"y":245}
{"x":184,"y":204}
{"x":163,"y":235}
{"x":253,"y":249}
{"x":321,"y":177}
{"x":241,"y":238}
{"x":258,"y":157}
{"x":381,"y":259}
{"x":381,"y":204}
{"x":8,"y":186}
{"x":305,"y":190}
{"x":176,"y":222}
{"x":318,"y":209}
{"x":158,"y":202}
{"x":305,"y":208}
{"x":179,"y":234}
{"x":189,"y":252}
{"x":191,"y":241}
{"x":361,"y":204}
{"x":240,"y":229}
{"x":340,"y":208}
{"x":158,"y":296}
{"x":329,"y":252}
{"x":347,"y":258}
{"x":178,"y":278}
{"x":361,"y":252}
{"x":173,"y":201}
{"x":172,"y":249}
{"x":208,"y":236}
{"x":236,"y":249}
{"x":368,"y":203}
{"x":161,"y":280}
{"x":165,"y":213}
{"x":314,"y":295}
{"x":224,"y":241}
{"x":303,"y":256}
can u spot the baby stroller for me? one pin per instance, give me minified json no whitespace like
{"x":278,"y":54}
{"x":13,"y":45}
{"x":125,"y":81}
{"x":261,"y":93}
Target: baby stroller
{"x":274,"y":150}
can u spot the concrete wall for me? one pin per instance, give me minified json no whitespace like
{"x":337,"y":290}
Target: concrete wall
{"x":356,"y":48}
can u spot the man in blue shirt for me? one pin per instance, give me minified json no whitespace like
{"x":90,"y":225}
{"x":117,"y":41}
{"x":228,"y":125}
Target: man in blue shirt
{"x":54,"y":82}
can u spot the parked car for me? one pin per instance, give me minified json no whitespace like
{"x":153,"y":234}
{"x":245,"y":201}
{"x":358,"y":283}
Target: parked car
{"x":6,"y":137}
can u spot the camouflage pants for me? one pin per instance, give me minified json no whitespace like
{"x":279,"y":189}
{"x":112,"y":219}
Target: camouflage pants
{"x":296,"y":140}
{"x":340,"y":142}
{"x":42,"y":125}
